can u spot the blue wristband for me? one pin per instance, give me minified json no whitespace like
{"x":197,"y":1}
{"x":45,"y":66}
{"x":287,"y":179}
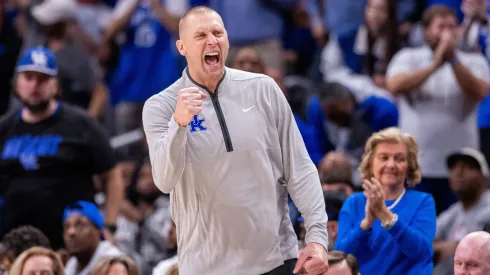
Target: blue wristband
{"x":454,"y":60}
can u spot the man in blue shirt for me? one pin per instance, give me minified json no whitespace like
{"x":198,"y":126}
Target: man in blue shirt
{"x":346,"y":123}
{"x":148,"y":59}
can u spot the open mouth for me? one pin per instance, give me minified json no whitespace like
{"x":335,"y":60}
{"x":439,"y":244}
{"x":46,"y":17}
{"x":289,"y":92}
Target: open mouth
{"x":212,"y":58}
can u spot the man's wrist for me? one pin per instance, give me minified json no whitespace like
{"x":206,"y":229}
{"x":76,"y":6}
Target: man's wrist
{"x":453,"y":60}
{"x":177,"y":121}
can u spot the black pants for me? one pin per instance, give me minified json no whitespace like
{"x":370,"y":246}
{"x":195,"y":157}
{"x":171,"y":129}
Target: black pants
{"x":285,"y":269}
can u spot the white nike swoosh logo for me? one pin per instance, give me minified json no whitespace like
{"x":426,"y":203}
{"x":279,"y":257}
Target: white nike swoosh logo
{"x":248,"y":109}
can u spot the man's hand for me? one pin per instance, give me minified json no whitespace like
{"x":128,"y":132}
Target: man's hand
{"x":444,"y":249}
{"x":313,"y":260}
{"x":449,"y":40}
{"x":189,"y":103}
{"x":439,"y":53}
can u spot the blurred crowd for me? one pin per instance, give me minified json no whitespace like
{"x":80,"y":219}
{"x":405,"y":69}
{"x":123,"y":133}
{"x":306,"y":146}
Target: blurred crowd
{"x":349,"y":69}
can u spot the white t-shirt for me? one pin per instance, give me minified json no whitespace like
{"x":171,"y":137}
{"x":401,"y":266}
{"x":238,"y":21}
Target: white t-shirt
{"x":438,"y":113}
{"x":174,"y":7}
{"x":105,"y":249}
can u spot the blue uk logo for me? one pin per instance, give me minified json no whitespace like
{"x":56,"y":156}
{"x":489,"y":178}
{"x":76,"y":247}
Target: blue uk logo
{"x":197,"y":124}
{"x":27,"y":149}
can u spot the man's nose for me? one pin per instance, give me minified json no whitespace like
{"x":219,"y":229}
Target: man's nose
{"x":212,"y":39}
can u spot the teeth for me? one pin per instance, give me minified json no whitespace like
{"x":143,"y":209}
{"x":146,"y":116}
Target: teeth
{"x":212,"y":54}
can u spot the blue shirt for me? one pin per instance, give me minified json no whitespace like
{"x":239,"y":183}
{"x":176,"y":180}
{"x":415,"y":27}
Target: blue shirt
{"x":310,"y":138}
{"x":379,"y":113}
{"x":404,"y":249}
{"x":147,"y":62}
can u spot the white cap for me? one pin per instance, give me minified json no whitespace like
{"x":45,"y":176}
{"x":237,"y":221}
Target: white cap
{"x":470,"y":153}
{"x":54,"y":11}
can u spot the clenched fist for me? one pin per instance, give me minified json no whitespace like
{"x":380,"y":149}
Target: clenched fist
{"x":189,"y":103}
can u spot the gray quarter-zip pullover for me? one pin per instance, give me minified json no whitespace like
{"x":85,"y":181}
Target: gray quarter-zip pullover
{"x":229,"y":173}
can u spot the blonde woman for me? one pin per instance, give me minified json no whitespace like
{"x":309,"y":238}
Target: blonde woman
{"x":121,"y":265}
{"x":389,"y":228}
{"x":37,"y":260}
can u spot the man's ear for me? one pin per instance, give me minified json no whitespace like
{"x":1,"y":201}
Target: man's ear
{"x":180,"y":47}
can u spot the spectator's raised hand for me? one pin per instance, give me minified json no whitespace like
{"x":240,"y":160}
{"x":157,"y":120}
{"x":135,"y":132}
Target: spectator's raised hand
{"x":370,"y":217}
{"x":448,"y":39}
{"x":440,"y":51}
{"x":375,"y":194}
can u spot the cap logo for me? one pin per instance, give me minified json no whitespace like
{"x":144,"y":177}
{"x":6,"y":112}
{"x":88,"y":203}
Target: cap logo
{"x":39,"y":58}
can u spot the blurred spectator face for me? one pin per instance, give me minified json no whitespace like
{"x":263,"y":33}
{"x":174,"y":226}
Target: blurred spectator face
{"x":390,"y":163}
{"x":342,"y":264}
{"x":57,"y":30}
{"x":19,"y":240}
{"x":340,"y":111}
{"x":38,"y":265}
{"x":248,"y":60}
{"x":117,"y":269}
{"x":204,"y":43}
{"x":278,"y":77}
{"x":376,"y":13}
{"x":440,"y":24}
{"x":145,"y":184}
{"x":80,"y":234}
{"x":335,"y":171}
{"x":466,"y":179}
{"x":35,"y":90}
{"x":472,"y":256}
{"x":341,"y":268}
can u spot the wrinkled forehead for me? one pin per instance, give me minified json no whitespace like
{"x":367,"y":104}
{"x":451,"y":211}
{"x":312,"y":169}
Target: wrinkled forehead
{"x":203,"y":22}
{"x":472,"y":251}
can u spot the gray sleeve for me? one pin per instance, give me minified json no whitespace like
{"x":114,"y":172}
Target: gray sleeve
{"x":444,"y":222}
{"x":166,"y":142}
{"x":300,"y":174}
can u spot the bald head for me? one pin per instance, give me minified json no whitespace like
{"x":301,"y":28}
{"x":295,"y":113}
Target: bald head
{"x":473,"y":252}
{"x":334,"y":160}
{"x":193,"y":12}
{"x":479,"y":241}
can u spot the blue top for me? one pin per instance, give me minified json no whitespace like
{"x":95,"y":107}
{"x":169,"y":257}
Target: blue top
{"x":378,"y":112}
{"x":310,"y":137}
{"x":484,"y":113}
{"x":404,"y":249}
{"x":147,"y":61}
